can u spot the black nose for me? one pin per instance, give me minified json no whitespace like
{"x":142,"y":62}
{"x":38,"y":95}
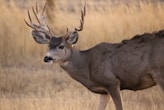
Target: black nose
{"x":47,"y":59}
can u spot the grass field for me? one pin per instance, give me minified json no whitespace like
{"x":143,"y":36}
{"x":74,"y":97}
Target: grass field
{"x":26,"y":83}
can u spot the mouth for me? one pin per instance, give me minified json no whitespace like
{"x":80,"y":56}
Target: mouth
{"x":50,"y":62}
{"x":48,"y":59}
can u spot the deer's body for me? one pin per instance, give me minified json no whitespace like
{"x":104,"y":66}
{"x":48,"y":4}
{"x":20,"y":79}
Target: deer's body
{"x":107,"y":68}
{"x":132,"y":62}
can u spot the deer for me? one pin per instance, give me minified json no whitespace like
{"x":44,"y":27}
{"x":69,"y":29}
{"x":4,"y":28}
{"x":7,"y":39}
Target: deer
{"x":106,"y":68}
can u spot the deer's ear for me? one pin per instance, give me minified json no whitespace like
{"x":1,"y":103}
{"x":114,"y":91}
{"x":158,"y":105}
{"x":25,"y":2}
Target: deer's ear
{"x":72,"y":38}
{"x":40,"y":37}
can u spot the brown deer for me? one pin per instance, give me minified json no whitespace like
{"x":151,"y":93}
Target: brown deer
{"x":106,"y":68}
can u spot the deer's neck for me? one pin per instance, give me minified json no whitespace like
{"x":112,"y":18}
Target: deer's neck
{"x":77,"y":65}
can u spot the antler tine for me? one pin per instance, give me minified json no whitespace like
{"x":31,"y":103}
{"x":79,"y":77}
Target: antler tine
{"x":83,"y":13}
{"x":81,"y":24}
{"x":29,"y":17}
{"x":30,"y":25}
{"x":85,"y":9}
{"x":36,"y":8}
{"x":67,"y":32}
{"x":44,"y":8}
{"x":35,"y":13}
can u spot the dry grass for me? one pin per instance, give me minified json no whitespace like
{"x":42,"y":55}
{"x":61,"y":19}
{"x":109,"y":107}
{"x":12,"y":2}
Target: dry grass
{"x":46,"y":87}
{"x":26,"y":83}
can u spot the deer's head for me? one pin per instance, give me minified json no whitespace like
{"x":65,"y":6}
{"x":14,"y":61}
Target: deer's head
{"x":59,"y":47}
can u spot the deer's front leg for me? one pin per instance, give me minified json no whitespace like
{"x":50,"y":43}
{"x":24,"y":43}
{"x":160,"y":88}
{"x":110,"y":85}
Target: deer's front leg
{"x":104,"y":98}
{"x":115,"y":94}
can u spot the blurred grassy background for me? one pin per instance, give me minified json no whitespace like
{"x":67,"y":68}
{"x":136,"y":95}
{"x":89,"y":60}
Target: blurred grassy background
{"x":27,"y":83}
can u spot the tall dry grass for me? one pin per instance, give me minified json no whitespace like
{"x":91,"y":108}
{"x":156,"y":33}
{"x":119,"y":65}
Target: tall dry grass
{"x":27,"y":83}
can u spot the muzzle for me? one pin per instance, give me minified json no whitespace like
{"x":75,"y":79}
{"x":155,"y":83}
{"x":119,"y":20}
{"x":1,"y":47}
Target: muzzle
{"x":48,"y":59}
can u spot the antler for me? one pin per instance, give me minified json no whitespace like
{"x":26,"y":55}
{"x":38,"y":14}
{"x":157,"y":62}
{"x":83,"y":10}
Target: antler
{"x":83,"y":13}
{"x":41,"y":18}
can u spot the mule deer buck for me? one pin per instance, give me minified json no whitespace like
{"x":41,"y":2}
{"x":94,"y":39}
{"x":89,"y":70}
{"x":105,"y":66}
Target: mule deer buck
{"x":106,"y":68}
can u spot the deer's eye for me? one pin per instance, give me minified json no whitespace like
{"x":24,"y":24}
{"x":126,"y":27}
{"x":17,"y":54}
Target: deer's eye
{"x":61,"y":47}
